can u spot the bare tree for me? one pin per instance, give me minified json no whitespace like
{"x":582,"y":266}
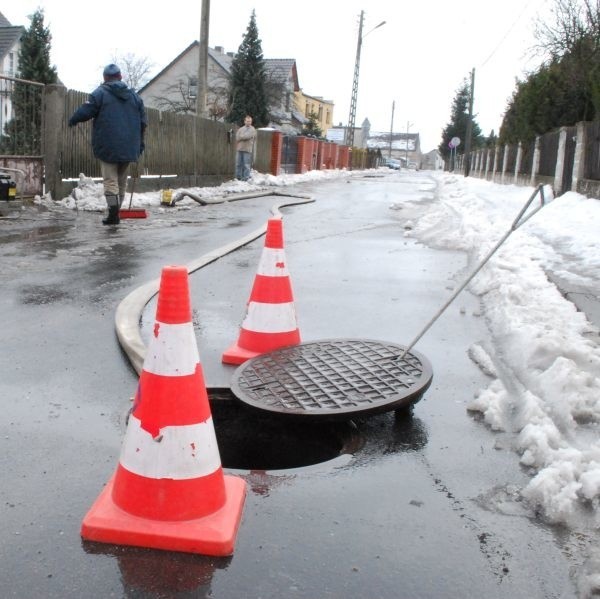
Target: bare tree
{"x":572,"y":21}
{"x":134,"y":69}
{"x":217,"y":96}
{"x":181,"y":97}
{"x":281,"y":100}
{"x":572,"y":38}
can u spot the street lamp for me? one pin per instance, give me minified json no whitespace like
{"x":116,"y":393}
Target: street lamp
{"x":349,"y":141}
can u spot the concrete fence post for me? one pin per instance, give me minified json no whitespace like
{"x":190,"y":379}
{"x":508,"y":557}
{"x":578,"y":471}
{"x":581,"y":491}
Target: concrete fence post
{"x":518,"y":163}
{"x":535,"y":166}
{"x":505,"y":162}
{"x":560,"y":161}
{"x":496,"y":156}
{"x":54,"y":125}
{"x":579,"y":159}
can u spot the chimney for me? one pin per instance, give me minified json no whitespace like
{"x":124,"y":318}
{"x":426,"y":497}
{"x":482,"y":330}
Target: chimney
{"x":219,"y":49}
{"x":232,"y":54}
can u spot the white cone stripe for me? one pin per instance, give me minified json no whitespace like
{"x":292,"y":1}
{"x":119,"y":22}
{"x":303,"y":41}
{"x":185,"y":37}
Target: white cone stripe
{"x":272,"y":263}
{"x":182,"y":453}
{"x":270,"y":318}
{"x":173,"y":351}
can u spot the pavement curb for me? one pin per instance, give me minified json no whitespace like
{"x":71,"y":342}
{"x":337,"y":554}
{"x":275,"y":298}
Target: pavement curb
{"x":129,"y":312}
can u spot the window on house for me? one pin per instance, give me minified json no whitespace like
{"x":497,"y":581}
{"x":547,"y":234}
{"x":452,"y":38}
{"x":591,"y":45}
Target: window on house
{"x":320,"y":113}
{"x":307,"y":110}
{"x":11,"y":64}
{"x":192,"y":87}
{"x":328,"y":117}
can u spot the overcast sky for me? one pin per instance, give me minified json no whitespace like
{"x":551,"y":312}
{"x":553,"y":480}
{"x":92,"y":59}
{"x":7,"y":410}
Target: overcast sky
{"x":417,"y":59}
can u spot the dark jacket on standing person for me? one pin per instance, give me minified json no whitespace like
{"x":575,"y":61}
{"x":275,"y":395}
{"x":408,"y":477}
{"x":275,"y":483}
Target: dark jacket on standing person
{"x":119,"y":122}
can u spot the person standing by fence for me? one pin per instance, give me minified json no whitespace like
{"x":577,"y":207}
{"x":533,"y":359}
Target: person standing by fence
{"x":117,"y":134}
{"x":245,"y":137}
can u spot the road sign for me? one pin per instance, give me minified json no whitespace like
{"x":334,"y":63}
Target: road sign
{"x":454,"y":142}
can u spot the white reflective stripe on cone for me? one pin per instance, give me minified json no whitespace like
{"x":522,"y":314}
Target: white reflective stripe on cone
{"x":172,"y":350}
{"x":270,"y":318}
{"x":179,"y":452}
{"x":272,"y":263}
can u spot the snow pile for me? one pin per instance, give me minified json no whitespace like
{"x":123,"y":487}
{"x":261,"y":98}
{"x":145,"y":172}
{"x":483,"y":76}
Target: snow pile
{"x":543,"y":353}
{"x":89,"y":194}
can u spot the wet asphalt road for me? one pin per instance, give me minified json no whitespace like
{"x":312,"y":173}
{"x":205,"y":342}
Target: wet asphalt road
{"x":422,"y":506}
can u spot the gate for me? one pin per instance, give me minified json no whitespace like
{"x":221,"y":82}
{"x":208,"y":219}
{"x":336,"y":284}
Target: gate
{"x":289,"y":154}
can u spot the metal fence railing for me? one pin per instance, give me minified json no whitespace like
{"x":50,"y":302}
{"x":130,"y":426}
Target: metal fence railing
{"x":548,"y":153}
{"x":592,"y":151}
{"x":526,"y":165}
{"x":511,"y":159}
{"x":21,"y":117}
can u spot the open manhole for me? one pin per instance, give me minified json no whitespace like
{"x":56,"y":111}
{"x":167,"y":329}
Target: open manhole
{"x":250,"y":440}
{"x":335,"y":379}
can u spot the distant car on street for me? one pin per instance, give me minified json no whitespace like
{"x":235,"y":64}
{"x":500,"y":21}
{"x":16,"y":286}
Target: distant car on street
{"x":393,"y":163}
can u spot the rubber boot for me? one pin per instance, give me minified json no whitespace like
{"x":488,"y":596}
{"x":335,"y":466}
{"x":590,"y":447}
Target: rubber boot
{"x":113,"y":216}
{"x":113,"y":211}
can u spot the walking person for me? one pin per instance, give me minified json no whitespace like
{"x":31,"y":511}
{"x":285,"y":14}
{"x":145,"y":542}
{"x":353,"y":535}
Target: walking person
{"x":117,"y":134}
{"x":245,"y":137}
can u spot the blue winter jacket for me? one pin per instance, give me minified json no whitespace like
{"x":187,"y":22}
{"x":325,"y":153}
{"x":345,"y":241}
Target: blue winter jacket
{"x":119,"y":122}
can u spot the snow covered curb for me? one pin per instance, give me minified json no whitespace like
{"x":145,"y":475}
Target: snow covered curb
{"x":547,"y":353}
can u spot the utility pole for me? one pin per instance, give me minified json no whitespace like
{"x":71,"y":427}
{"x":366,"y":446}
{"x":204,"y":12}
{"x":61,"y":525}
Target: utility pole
{"x":349,"y":137}
{"x":469,"y":131}
{"x":201,"y":88}
{"x":349,"y":141}
{"x":392,"y":128}
{"x":408,"y":125}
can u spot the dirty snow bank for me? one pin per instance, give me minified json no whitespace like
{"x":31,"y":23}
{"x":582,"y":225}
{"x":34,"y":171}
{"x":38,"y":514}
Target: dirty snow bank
{"x":548,"y":394}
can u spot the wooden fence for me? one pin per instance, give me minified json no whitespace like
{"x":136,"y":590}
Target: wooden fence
{"x":182,"y":150}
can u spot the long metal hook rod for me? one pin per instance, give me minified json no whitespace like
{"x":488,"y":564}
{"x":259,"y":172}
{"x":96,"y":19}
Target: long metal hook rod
{"x":515,"y":225}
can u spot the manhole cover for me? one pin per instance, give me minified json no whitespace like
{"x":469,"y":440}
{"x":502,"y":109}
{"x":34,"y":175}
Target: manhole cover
{"x":333,"y":379}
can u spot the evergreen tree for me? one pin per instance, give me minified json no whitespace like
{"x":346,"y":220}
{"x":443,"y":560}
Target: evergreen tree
{"x":312,"y":127}
{"x":34,"y":57}
{"x":457,"y":127}
{"x":491,"y":140}
{"x":22,"y":135}
{"x":247,"y":94}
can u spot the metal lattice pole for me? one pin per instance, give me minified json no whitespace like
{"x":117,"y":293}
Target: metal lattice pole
{"x":349,"y":138}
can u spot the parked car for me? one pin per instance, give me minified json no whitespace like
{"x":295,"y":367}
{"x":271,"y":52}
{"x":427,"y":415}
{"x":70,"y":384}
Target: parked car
{"x":393,"y":163}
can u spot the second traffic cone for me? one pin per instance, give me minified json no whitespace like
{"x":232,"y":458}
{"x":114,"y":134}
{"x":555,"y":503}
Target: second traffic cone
{"x":169,"y":490}
{"x":270,"y":321}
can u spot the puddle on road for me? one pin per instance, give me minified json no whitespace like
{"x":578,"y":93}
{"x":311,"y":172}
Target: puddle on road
{"x":43,"y":294}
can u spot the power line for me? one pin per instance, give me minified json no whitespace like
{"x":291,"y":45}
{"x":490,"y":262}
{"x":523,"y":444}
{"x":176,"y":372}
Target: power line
{"x":507,"y":33}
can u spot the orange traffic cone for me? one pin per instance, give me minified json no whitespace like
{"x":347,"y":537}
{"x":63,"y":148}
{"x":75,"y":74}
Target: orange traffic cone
{"x":169,"y":490}
{"x":270,"y":321}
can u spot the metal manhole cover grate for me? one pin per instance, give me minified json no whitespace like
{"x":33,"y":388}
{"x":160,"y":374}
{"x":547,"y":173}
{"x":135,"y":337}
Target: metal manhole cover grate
{"x":335,"y":378}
